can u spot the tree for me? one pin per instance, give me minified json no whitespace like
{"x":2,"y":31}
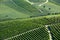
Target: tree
{"x":6,"y":16}
{"x":43,"y":6}
{"x":48,"y":14}
{"x":49,"y":8}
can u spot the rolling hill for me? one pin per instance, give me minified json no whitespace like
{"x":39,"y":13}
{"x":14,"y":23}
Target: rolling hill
{"x":15,"y":27}
{"x":29,"y":20}
{"x":17,"y":9}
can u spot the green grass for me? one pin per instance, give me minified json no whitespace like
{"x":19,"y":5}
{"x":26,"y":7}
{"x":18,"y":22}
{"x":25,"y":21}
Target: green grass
{"x":12,"y":13}
{"x":12,"y":9}
{"x":21,"y":11}
{"x":57,"y":2}
{"x":17,"y":9}
{"x":39,"y":34}
{"x":12,"y":28}
{"x":54,"y":8}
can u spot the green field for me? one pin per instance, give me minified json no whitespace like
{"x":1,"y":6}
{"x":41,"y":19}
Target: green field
{"x":7,"y":28}
{"x":55,"y":31}
{"x":21,"y":20}
{"x":17,"y":9}
{"x":39,"y":34}
{"x":57,"y":2}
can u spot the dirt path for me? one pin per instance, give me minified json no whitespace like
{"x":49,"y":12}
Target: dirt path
{"x":48,"y":32}
{"x":38,"y":5}
{"x":29,"y":2}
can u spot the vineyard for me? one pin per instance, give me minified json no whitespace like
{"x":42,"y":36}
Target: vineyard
{"x":12,"y":28}
{"x":29,"y":20}
{"x":55,"y":31}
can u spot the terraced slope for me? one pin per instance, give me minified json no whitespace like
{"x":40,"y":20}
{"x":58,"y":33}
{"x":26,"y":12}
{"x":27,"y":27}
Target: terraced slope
{"x":55,"y":31}
{"x":12,"y":28}
{"x":38,"y":34}
{"x":33,"y":27}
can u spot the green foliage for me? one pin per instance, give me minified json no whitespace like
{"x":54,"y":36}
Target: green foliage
{"x":19,"y":9}
{"x":39,"y":34}
{"x":12,"y":28}
{"x":55,"y":31}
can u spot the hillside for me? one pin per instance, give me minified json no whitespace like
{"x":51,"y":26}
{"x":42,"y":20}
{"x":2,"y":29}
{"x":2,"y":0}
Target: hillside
{"x":17,"y":9}
{"x":12,"y":28}
{"x":57,"y":2}
{"x":29,"y":20}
